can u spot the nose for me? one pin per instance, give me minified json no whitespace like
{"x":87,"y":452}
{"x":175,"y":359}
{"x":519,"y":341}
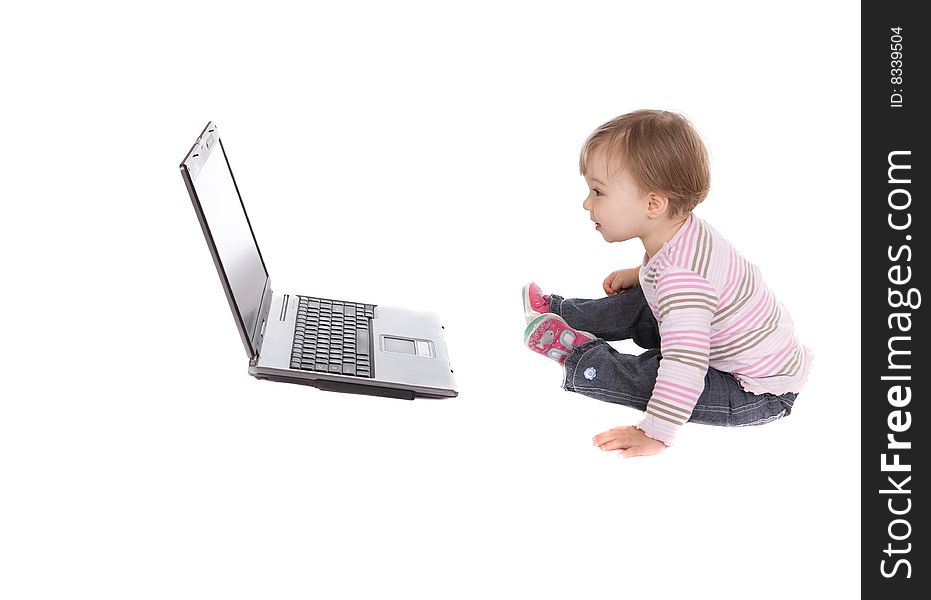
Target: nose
{"x":587,"y":203}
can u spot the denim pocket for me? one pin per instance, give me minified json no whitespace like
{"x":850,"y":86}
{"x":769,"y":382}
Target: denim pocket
{"x":788,"y":401}
{"x":763,"y":408}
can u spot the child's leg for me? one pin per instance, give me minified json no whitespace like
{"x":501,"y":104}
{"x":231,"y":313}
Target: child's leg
{"x":597,"y":370}
{"x":618,"y":317}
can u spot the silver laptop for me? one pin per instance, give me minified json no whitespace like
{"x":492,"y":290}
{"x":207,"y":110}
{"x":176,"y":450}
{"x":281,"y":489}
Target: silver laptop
{"x":334,"y":345}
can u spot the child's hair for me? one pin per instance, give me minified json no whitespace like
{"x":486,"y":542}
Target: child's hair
{"x":660,"y":150}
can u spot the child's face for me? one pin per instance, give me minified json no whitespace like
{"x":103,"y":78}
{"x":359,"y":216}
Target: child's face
{"x":615,"y":203}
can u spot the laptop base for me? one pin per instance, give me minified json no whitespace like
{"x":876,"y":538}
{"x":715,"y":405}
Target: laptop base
{"x":345,"y":387}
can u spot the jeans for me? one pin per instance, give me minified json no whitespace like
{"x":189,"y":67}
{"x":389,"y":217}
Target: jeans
{"x":597,"y":370}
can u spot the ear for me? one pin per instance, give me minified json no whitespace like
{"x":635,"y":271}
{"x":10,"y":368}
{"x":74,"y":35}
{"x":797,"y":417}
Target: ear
{"x":657,"y":205}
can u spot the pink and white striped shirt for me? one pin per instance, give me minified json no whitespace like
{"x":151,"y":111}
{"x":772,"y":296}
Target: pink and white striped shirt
{"x":713,"y":309}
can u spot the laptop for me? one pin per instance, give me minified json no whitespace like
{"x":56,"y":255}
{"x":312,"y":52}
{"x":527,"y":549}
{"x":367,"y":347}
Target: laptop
{"x":334,"y":345}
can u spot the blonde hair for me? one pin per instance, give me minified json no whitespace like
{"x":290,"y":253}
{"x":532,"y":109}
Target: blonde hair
{"x":660,"y":150}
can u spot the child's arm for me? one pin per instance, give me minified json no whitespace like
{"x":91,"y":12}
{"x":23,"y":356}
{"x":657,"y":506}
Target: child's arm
{"x":618,"y":281}
{"x":687,"y":302}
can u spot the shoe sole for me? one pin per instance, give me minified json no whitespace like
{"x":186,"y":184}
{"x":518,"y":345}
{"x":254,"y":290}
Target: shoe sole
{"x":532,"y":325}
{"x":535,"y":322}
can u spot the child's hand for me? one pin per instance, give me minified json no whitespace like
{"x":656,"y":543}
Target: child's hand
{"x":621,"y":280}
{"x":630,"y":440}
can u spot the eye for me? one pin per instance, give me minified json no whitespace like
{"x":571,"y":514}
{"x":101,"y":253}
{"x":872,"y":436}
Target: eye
{"x":597,"y":192}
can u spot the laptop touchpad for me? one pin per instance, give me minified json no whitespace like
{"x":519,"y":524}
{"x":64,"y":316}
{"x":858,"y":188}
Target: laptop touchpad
{"x":399,"y":345}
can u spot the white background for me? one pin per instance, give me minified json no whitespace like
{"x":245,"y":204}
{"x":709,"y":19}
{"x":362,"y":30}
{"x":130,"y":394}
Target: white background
{"x":433,"y":150}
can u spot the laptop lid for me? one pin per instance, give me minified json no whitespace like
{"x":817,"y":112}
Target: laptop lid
{"x":223,"y":219}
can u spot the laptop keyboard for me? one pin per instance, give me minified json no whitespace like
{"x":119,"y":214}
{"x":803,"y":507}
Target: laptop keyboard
{"x":332,"y":336}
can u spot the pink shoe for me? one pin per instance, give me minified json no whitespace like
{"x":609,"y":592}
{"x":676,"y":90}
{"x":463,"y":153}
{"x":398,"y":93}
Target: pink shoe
{"x":550,"y":335}
{"x":535,"y":303}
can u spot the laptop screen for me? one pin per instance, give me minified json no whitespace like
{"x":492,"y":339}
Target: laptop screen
{"x":227,"y":228}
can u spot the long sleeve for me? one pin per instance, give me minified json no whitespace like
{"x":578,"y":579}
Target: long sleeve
{"x":686,"y":303}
